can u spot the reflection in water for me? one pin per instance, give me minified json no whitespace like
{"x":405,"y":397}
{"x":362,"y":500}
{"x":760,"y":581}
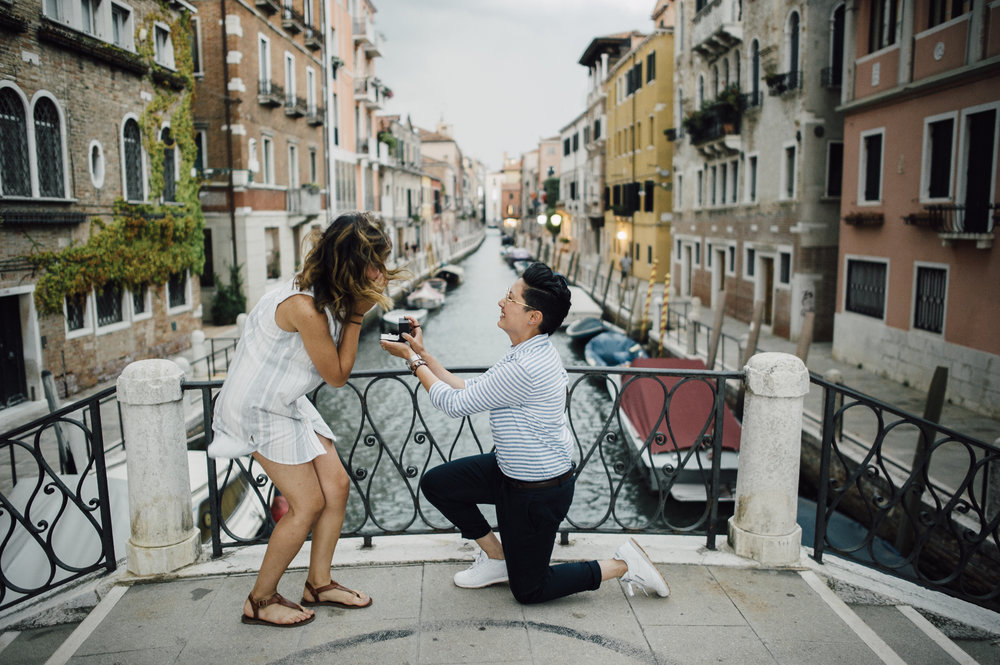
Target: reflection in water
{"x":415,"y":436}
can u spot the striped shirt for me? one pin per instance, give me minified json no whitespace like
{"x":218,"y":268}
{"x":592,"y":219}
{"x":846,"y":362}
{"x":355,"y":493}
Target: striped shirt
{"x":525,"y":393}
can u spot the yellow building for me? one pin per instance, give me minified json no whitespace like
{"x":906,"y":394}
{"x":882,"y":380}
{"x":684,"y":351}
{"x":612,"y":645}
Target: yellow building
{"x":637,"y":196}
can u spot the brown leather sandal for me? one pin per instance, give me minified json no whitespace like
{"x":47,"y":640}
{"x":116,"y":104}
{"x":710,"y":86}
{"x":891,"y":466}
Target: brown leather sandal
{"x":332,"y":585}
{"x":276,"y":598}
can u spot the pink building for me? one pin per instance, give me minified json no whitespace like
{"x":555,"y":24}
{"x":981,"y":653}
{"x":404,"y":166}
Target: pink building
{"x":921,"y":102}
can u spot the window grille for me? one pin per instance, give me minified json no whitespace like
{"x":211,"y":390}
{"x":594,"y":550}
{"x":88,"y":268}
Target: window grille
{"x":866,"y":288}
{"x":109,"y":305}
{"x":15,"y":178}
{"x":133,"y":161}
{"x":76,"y":308}
{"x":139,"y":300}
{"x":48,"y":146}
{"x":928,"y":313}
{"x":176,"y":292}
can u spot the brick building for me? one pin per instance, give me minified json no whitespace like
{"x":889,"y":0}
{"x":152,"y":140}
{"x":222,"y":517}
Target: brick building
{"x":101,"y":228}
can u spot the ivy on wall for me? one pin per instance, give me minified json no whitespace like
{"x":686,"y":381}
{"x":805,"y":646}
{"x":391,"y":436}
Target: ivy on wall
{"x":143,"y":244}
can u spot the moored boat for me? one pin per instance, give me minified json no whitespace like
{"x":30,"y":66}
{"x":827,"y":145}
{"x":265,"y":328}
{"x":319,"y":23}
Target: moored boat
{"x":581,"y":306}
{"x":426,"y":297}
{"x":611,"y":348}
{"x":390,"y":320}
{"x":451,"y":273}
{"x":585,"y":327}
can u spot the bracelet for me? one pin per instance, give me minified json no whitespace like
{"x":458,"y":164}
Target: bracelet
{"x":357,"y":321}
{"x":413,"y":357}
{"x":415,"y":365}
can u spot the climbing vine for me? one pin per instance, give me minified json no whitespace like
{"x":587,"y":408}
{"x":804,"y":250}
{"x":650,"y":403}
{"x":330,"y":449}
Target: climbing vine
{"x":143,"y":243}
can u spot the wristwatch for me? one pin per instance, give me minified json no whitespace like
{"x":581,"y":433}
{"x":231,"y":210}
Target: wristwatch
{"x":414,"y":362}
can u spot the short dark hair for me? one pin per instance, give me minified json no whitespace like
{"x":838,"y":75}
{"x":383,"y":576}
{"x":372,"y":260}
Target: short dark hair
{"x":547,"y":292}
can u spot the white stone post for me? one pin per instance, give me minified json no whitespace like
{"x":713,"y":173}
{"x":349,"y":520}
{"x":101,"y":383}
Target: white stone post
{"x":159,"y":488}
{"x":763,"y":525}
{"x":198,"y":352}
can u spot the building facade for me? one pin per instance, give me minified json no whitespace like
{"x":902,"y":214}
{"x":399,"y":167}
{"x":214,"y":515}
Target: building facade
{"x":921,"y":100}
{"x":401,"y":177}
{"x":758,"y":159}
{"x":101,"y":232}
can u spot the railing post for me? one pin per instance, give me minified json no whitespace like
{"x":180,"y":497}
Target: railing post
{"x":159,"y":488}
{"x":763,"y":526}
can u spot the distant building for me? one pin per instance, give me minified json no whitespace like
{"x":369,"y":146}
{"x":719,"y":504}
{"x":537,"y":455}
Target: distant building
{"x":917,"y":258}
{"x":401,"y":178}
{"x":100,"y":226}
{"x":510,"y":195}
{"x":757,"y":161}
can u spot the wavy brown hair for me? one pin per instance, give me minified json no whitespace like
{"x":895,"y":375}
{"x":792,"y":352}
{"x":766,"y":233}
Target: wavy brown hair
{"x":336,"y":266}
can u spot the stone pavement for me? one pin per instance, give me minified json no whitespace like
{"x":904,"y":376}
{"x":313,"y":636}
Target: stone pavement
{"x":722,"y":609}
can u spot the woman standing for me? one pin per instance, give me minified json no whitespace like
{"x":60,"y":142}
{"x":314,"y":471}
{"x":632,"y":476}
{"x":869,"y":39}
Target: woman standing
{"x":301,"y":334}
{"x":529,"y":477}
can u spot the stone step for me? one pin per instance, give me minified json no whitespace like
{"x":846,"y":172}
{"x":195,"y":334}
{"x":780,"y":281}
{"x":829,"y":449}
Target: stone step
{"x":33,"y":646}
{"x":914,"y":639}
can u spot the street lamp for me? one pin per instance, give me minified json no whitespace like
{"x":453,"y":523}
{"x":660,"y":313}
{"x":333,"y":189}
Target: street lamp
{"x":553,"y":223}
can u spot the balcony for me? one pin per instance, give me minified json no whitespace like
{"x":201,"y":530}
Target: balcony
{"x":314,"y":116}
{"x":270,"y":93}
{"x":831,"y":77}
{"x":295,"y":107}
{"x":364,"y":33}
{"x":314,"y":38}
{"x":716,"y":28}
{"x":366,"y":91}
{"x":956,"y":222}
{"x":267,"y":6}
{"x":291,"y":20}
{"x":752,"y":100}
{"x":715,"y":128}
{"x":306,"y":200}
{"x":784,"y":83}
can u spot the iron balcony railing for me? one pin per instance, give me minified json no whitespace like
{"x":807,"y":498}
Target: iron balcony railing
{"x":831,"y":77}
{"x":944,"y":538}
{"x":959,"y":220}
{"x":270,"y":93}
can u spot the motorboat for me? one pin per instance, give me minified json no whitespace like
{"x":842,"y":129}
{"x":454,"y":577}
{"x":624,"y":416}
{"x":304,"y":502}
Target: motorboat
{"x":451,"y":273}
{"x":437,"y":283}
{"x":390,"y":319}
{"x":585,"y":328}
{"x":426,"y":297}
{"x":611,"y":348}
{"x":668,"y":425}
{"x":581,"y":306}
{"x":517,"y":254}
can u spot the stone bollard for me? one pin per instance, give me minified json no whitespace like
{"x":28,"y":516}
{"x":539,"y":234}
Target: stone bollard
{"x":763,"y":525}
{"x":159,"y":488}
{"x":198,"y":353}
{"x":241,"y":322}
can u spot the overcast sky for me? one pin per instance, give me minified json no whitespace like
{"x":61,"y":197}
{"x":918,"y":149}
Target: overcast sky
{"x":503,"y":73}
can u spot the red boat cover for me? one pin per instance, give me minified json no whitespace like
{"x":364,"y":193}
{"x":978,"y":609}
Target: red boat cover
{"x":687,"y":403}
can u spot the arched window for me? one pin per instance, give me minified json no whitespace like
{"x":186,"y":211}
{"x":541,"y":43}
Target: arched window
{"x":792,"y":43}
{"x":837,"y":32}
{"x":755,"y":71}
{"x":725,"y":73}
{"x":49,"y":149}
{"x":701,"y":90}
{"x":736,"y":68}
{"x":15,"y":174}
{"x":132,"y":140}
{"x":715,"y":81}
{"x":169,"y":165}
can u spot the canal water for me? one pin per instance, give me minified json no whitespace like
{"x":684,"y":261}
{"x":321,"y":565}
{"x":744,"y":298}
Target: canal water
{"x":464,"y":334}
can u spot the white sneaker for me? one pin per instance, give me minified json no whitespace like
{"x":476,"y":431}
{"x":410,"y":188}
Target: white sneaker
{"x":641,"y":571}
{"x":483,"y":572}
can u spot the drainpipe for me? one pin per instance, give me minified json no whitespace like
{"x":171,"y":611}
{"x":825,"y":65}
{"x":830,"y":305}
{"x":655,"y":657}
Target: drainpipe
{"x":230,"y":197}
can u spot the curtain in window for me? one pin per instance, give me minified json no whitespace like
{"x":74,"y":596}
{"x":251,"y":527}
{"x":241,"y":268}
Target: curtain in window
{"x":133,"y":161}
{"x":15,"y":178}
{"x":48,"y":147}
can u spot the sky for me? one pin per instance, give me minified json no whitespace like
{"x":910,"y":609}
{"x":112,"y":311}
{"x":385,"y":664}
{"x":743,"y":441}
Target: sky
{"x":503,"y":73}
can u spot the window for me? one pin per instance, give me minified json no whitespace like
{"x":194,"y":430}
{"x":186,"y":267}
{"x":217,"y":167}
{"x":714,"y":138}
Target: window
{"x":945,"y":10}
{"x":89,"y":21}
{"x":95,"y":161}
{"x":267,"y":160}
{"x":754,"y":73}
{"x":576,"y":141}
{"x":785,"y":268}
{"x":870,"y":169}
{"x":141,"y":307}
{"x":939,"y":157}
{"x":313,"y":176}
{"x":883,"y":24}
{"x":752,"y":178}
{"x":834,"y":168}
{"x":750,"y":266}
{"x":651,"y":66}
{"x":311,"y":90}
{"x":724,"y":183}
{"x":928,"y":298}
{"x":55,"y":9}
{"x":77,"y":310}
{"x":792,"y":46}
{"x":132,"y":159}
{"x":731,"y":265}
{"x":788,"y":173}
{"x":121,"y":27}
{"x":679,"y":192}
{"x":200,"y":156}
{"x":264,"y":62}
{"x":650,"y":189}
{"x":735,"y":167}
{"x":109,"y":305}
{"x":712,"y":187}
{"x":177,"y":292}
{"x":163,"y":53}
{"x":699,"y":184}
{"x":49,"y":149}
{"x":196,"y":63}
{"x":15,"y":175}
{"x":293,"y":166}
{"x":289,"y":78}
{"x":169,"y":165}
{"x":335,"y":119}
{"x":865,"y":288}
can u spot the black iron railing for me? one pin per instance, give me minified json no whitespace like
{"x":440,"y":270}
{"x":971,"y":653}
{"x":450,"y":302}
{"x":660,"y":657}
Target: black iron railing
{"x":941,"y":537}
{"x":961,"y":220}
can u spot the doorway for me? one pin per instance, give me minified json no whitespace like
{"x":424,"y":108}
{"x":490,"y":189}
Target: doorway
{"x":979,"y":170}
{"x":13,"y":382}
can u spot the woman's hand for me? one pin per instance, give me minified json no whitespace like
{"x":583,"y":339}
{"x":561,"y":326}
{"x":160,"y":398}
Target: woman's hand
{"x":398,"y":349}
{"x":416,"y":335}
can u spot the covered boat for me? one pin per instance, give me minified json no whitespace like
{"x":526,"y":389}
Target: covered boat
{"x":668,"y":423}
{"x":585,"y":328}
{"x":451,"y":273}
{"x":611,"y":348}
{"x":581,"y":306}
{"x":426,"y":297}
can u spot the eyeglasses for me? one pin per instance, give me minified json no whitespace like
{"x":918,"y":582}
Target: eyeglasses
{"x":516,"y":302}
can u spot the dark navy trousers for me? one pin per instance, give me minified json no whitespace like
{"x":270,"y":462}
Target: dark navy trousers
{"x":528,"y":520}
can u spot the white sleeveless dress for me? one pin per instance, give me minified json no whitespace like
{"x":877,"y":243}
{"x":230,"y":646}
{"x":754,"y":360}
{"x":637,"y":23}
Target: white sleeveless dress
{"x":263,"y":406}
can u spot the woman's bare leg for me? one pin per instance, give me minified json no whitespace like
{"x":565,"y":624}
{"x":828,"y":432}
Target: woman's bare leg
{"x":335,"y":484}
{"x":299,"y":484}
